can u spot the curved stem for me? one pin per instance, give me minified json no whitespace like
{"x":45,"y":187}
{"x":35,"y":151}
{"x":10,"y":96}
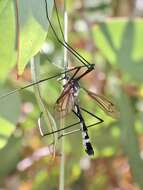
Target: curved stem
{"x":49,"y":120}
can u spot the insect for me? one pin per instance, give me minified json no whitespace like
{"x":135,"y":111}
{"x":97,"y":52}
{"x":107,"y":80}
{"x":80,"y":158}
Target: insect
{"x":67,"y":100}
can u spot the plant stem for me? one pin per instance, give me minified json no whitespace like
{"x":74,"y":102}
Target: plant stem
{"x":62,"y":170}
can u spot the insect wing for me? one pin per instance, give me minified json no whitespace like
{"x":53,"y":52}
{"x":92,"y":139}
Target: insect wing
{"x":65,"y":102}
{"x":107,"y":106}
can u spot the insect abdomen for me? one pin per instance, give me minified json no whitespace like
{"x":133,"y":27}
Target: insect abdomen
{"x":86,"y":142}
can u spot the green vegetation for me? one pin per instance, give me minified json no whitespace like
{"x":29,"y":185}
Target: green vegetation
{"x":115,"y":46}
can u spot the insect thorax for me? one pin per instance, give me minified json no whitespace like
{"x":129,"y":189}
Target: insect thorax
{"x":75,"y":88}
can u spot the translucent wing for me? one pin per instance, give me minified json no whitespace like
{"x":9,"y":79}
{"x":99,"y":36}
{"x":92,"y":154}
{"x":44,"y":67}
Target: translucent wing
{"x":65,"y":102}
{"x":107,"y":106}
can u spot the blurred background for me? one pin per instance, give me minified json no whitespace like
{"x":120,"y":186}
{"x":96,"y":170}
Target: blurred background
{"x":107,"y":33}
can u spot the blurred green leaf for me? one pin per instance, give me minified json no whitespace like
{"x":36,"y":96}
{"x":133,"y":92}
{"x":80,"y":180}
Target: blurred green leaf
{"x":99,"y":181}
{"x":129,"y":138}
{"x":121,"y":42}
{"x":109,"y":145}
{"x":7,"y":38}
{"x":9,"y":156}
{"x":130,"y":52}
{"x":99,"y":7}
{"x":109,"y":37}
{"x":39,"y":179}
{"x":33,"y":29}
{"x":10,"y":106}
{"x":3,"y":3}
{"x":9,"y":115}
{"x":5,"y":131}
{"x":43,"y":180}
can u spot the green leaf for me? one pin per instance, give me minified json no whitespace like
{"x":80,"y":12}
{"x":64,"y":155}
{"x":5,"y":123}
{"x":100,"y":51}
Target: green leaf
{"x":7,"y":38}
{"x":128,"y":58}
{"x":3,"y":3}
{"x":10,"y":107}
{"x":9,"y":114}
{"x":6,"y":130}
{"x":121,"y":42}
{"x":33,"y":29}
{"x":9,"y":156}
{"x":129,"y":138}
{"x":32,"y":24}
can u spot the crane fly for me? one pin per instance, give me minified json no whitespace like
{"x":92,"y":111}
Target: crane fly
{"x":68,"y":100}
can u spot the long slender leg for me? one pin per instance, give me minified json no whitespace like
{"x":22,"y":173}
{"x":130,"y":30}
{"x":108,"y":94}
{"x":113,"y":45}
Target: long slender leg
{"x":72,"y":132}
{"x":100,"y":120}
{"x":38,"y":82}
{"x":76,"y":130}
{"x":78,"y":69}
{"x":93,"y":115}
{"x":46,"y":134}
{"x":85,"y":73}
{"x":80,"y":58}
{"x":89,"y":126}
{"x":67,"y":91}
{"x":86,"y":140}
{"x":57,"y":15}
{"x":69,"y":133}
